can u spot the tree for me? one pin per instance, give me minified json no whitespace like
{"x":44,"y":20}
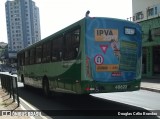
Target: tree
{"x":4,"y":53}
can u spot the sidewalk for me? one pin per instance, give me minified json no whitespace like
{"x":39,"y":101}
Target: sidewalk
{"x":151,"y":84}
{"x":7,"y":103}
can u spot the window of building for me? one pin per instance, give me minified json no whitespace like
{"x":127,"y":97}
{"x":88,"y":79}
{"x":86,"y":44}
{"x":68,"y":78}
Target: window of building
{"x":144,"y":60}
{"x":139,"y":16}
{"x":156,"y":57}
{"x":155,"y":10}
{"x":150,"y":12}
{"x":155,"y":32}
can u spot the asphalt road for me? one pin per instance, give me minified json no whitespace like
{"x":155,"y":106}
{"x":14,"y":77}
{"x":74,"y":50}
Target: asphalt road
{"x":97,"y":106}
{"x":142,"y":98}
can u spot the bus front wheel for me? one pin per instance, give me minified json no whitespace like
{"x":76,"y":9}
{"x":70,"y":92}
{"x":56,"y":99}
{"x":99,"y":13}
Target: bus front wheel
{"x":46,"y":90}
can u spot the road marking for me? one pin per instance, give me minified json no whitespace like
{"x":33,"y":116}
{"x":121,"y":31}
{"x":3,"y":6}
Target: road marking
{"x":31,"y":107}
{"x":25,"y":109}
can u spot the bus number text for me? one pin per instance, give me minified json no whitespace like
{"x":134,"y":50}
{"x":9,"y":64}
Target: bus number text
{"x":121,"y":87}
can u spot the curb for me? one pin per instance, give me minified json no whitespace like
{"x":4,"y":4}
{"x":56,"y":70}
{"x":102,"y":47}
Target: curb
{"x":150,"y":89}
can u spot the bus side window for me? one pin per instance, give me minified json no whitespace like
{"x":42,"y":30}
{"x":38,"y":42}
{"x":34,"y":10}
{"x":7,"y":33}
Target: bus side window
{"x":19,"y":61}
{"x":22,"y":59}
{"x":38,"y":54}
{"x":76,"y":41}
{"x":48,"y":52}
{"x":56,"y":49}
{"x":71,"y":44}
{"x":46,"y":57}
{"x":32,"y":56}
{"x":27,"y":57}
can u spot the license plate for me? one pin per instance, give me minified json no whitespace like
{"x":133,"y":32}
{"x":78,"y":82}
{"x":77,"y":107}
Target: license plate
{"x":121,"y":87}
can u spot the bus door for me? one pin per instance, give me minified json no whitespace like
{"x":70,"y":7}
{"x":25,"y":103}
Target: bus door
{"x":110,"y":54}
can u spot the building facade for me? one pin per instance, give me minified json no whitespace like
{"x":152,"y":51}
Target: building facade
{"x":23,"y":25}
{"x":147,"y":14}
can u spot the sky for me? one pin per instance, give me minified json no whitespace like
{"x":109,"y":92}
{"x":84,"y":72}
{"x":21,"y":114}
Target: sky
{"x":58,"y":14}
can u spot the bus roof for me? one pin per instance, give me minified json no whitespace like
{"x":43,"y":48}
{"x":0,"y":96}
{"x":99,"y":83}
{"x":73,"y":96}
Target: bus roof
{"x":62,"y":31}
{"x":48,"y":38}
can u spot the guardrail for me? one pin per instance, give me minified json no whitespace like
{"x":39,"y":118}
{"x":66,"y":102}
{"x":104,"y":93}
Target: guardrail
{"x":9,"y":84}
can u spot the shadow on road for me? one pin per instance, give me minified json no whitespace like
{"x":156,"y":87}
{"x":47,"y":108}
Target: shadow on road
{"x":87,"y":106}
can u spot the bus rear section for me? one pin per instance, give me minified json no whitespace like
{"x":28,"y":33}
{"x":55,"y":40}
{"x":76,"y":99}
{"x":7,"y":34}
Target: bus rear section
{"x":113,"y":56}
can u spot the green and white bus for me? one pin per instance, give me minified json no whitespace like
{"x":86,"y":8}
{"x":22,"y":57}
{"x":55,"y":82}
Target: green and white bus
{"x":93,"y":55}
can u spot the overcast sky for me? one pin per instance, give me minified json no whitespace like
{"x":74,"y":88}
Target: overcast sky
{"x":57,"y":14}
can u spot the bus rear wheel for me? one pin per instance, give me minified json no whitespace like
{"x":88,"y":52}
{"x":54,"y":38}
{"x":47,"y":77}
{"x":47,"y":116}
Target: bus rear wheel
{"x":22,"y":80}
{"x":46,"y":90}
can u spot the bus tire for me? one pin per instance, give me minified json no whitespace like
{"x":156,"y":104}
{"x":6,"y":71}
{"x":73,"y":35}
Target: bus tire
{"x":45,"y":85}
{"x":22,"y":80}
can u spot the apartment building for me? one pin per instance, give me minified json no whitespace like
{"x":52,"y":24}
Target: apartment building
{"x":23,"y":25}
